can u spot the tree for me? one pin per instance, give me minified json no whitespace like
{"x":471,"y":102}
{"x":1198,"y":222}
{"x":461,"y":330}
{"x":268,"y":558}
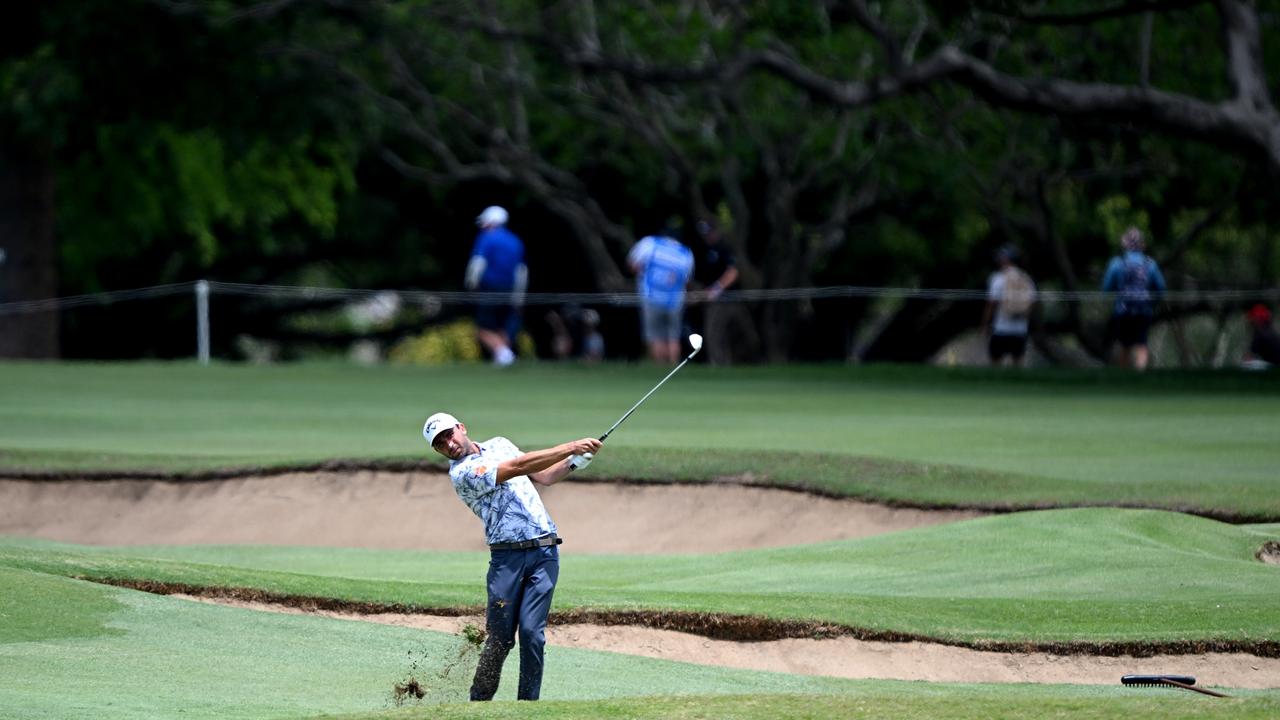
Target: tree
{"x":151,"y":161}
{"x":1044,"y":72}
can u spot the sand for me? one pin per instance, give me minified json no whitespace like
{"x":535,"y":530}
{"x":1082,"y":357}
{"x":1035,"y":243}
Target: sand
{"x":419,"y":510}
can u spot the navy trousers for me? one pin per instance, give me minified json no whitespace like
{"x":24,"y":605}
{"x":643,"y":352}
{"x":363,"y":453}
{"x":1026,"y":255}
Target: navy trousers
{"x":520,"y":586}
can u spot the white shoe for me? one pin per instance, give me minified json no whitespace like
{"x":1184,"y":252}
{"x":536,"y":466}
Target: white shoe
{"x":504,"y":357}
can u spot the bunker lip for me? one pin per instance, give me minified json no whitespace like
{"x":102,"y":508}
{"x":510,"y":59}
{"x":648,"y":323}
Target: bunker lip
{"x":715,"y":626}
{"x":348,"y":466}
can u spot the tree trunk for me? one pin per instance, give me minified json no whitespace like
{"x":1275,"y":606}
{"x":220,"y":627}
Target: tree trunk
{"x":28,"y":270}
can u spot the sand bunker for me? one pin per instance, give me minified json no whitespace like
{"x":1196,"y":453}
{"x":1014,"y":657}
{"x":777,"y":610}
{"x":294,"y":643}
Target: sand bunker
{"x":850,"y":658}
{"x":419,"y":510}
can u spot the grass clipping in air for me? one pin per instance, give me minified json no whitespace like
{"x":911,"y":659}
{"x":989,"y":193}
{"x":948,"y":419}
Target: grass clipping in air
{"x":450,"y":682}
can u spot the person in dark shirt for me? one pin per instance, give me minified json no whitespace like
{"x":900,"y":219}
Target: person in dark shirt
{"x":715,"y":271}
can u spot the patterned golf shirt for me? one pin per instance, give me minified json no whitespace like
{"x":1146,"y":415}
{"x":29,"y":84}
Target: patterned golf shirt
{"x":511,"y":511}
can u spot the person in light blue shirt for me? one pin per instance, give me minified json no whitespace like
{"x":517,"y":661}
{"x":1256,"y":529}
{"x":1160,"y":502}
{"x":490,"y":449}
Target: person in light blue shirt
{"x":663,"y":266}
{"x":1136,"y":280}
{"x":496,"y":480}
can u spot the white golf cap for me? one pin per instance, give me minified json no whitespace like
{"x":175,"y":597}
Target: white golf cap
{"x":492,"y":215}
{"x":437,"y":424}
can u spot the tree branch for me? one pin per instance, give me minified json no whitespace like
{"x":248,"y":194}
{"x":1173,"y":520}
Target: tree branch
{"x":1129,"y":7}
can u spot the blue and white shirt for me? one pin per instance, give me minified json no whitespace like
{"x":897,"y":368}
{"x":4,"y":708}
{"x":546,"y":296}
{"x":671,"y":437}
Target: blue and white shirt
{"x":665,"y":266}
{"x":511,"y":511}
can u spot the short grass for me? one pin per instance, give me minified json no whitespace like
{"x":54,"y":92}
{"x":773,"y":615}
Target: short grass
{"x":1084,"y":575}
{"x":107,"y":653}
{"x":1197,"y":441}
{"x":871,"y":700}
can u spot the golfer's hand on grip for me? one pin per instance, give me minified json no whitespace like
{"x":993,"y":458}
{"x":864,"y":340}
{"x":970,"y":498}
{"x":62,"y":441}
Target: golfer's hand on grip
{"x":583,"y":452}
{"x":585,"y":446}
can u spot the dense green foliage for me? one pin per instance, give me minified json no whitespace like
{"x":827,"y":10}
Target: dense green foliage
{"x":352,"y":143}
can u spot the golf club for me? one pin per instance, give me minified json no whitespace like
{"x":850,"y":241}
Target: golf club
{"x":695,"y":340}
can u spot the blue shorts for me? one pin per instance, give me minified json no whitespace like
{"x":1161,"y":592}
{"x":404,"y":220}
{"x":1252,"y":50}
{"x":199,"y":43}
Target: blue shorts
{"x":494,"y":317}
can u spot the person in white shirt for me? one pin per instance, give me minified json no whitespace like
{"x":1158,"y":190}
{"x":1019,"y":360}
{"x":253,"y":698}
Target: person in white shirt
{"x":1006,"y":320}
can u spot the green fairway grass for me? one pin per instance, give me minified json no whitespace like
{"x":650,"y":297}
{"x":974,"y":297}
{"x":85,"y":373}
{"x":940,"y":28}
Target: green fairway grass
{"x":1193,"y":441}
{"x":871,"y":700}
{"x":38,"y":607}
{"x":1089,"y":576}
{"x":165,"y":657}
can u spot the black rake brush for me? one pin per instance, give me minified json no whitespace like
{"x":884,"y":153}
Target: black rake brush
{"x":1186,"y":682}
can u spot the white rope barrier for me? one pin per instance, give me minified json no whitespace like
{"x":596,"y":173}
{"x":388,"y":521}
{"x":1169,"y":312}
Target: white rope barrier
{"x":102,"y":298}
{"x":303,"y":293}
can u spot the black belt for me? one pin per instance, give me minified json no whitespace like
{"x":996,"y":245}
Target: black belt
{"x":544,"y":541}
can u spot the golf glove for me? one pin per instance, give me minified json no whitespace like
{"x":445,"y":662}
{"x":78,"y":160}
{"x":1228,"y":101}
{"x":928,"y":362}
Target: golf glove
{"x":577,"y":462}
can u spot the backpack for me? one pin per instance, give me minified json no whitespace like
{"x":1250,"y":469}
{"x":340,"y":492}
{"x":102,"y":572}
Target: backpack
{"x":1018,"y":294}
{"x":1135,"y":295}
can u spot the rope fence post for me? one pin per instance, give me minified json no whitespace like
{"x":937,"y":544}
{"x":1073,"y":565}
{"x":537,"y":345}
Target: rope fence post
{"x":202,"y":321}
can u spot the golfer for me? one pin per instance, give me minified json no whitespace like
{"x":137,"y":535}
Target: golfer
{"x":494,"y":479}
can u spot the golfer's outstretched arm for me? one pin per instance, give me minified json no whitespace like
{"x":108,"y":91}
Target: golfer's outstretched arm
{"x":553,"y":474}
{"x":532,"y":463}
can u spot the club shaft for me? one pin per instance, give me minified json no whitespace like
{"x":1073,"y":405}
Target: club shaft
{"x":646,"y":395}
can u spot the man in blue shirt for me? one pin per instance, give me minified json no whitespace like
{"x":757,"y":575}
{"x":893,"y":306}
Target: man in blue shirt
{"x":1135,"y":278}
{"x":662,"y":266}
{"x":495,"y":480}
{"x":497,"y":266}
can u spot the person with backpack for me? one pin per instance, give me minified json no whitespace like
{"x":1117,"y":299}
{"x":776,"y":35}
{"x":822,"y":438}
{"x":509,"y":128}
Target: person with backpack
{"x":1136,"y":280}
{"x":1007,"y":318}
{"x":663,"y":266}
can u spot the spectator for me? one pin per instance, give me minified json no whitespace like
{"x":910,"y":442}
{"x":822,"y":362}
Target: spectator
{"x":717,"y":271}
{"x":561,"y":339}
{"x":592,"y":340}
{"x":1137,"y":282}
{"x":1011,"y":294}
{"x":497,"y":266}
{"x":1264,"y":346}
{"x":662,"y":266}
